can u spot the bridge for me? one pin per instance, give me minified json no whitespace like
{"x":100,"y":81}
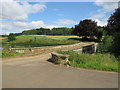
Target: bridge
{"x":79,"y":47}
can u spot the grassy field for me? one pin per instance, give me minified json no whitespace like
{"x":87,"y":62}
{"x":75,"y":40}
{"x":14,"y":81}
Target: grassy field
{"x":27,"y":41}
{"x":39,"y":40}
{"x":105,"y":62}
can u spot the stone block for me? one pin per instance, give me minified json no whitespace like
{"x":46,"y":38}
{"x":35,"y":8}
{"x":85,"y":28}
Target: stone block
{"x":59,"y":58}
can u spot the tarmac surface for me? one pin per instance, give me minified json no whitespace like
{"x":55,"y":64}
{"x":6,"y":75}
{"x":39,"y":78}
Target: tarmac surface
{"x":37,"y":72}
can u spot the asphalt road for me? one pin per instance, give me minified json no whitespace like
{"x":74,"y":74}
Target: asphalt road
{"x":36,"y":72}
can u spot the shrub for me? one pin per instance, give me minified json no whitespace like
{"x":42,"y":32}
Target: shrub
{"x":104,"y":47}
{"x":115,"y":48}
{"x":11,"y":37}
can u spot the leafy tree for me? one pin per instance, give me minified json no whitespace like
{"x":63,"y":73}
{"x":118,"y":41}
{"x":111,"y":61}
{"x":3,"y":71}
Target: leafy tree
{"x":30,"y":32}
{"x":4,"y":35}
{"x":47,"y":31}
{"x":87,"y":28}
{"x":61,"y":31}
{"x":17,"y":34}
{"x":115,"y":48}
{"x":113,"y":28}
{"x":105,"y":46}
{"x":113,"y":25}
{"x":43,"y":31}
{"x":11,"y":37}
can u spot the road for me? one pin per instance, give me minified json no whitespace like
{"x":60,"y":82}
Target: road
{"x":36,"y":72}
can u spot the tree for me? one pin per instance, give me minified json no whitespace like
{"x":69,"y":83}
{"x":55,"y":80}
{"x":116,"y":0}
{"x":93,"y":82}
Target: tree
{"x":113,"y":25}
{"x":43,"y":31}
{"x":11,"y":37}
{"x":30,"y":32}
{"x":115,"y":48}
{"x":105,"y":46}
{"x":87,"y":28}
{"x":113,"y":28}
{"x":61,"y":31}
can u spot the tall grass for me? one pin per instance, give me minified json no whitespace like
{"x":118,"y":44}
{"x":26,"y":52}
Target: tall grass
{"x":105,"y":62}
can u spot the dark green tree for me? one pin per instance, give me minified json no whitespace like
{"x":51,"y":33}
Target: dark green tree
{"x":113,"y":28}
{"x":87,"y":28}
{"x":43,"y":31}
{"x":113,"y":25}
{"x":115,"y":48}
{"x":61,"y":31}
{"x":30,"y":32}
{"x":11,"y":37}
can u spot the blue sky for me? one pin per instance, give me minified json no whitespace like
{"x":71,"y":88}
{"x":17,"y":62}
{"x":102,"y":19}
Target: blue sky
{"x":61,"y":10}
{"x":19,"y":16}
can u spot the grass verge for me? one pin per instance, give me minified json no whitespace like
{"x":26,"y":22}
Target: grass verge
{"x":9,"y":54}
{"x":105,"y":62}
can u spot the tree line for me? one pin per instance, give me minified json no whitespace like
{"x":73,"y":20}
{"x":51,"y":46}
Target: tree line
{"x":46,"y":31}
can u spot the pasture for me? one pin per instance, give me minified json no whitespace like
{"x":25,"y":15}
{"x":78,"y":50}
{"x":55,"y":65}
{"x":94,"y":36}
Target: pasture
{"x":26,"y":41}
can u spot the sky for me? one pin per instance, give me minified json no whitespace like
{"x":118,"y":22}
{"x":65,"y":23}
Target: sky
{"x":24,"y":15}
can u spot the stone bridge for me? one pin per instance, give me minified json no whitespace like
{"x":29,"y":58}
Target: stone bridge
{"x":79,"y":47}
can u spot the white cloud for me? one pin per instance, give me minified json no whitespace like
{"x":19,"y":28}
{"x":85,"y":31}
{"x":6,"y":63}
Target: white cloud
{"x":19,"y":11}
{"x":98,"y":16}
{"x":33,"y":25}
{"x":106,"y":7}
{"x":32,"y":8}
{"x":12,"y":10}
{"x":5,"y":25}
{"x":18,"y":26}
{"x":101,"y":22}
{"x":36,"y":24}
{"x":65,"y":22}
{"x":52,"y":26}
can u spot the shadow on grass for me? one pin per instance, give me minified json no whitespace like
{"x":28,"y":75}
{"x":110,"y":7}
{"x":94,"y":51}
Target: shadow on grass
{"x":85,"y":39}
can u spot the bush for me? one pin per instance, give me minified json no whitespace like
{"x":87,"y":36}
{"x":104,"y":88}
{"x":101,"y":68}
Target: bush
{"x":11,"y":37}
{"x":104,"y":47}
{"x":116,"y":45}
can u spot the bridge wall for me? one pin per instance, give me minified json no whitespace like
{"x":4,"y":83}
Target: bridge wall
{"x":83,"y":47}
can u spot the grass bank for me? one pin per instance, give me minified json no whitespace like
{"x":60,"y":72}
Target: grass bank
{"x":105,"y":62}
{"x":39,"y":40}
{"x":6,"y":53}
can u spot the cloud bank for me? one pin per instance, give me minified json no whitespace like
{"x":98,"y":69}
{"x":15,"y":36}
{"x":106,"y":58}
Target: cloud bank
{"x":15,"y":14}
{"x":18,"y":26}
{"x":19,"y":11}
